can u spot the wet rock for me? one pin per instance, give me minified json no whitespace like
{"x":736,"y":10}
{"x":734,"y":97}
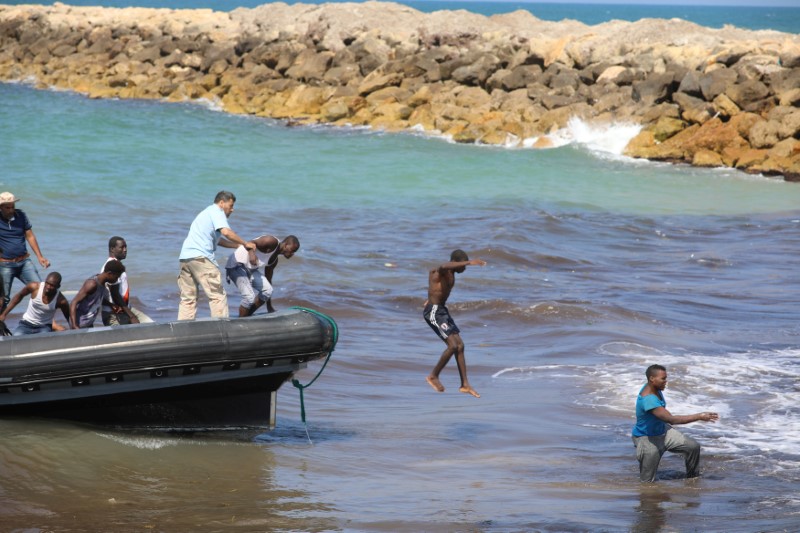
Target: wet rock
{"x":666,"y":127}
{"x":707,"y":158}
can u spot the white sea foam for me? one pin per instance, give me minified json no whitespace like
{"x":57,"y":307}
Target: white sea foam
{"x":600,"y":139}
{"x":212,"y":104}
{"x":142,"y":442}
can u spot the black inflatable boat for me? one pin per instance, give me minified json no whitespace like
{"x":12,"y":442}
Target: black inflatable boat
{"x":187,"y":374}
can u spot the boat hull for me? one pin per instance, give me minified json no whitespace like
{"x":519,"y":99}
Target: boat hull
{"x":187,"y":374}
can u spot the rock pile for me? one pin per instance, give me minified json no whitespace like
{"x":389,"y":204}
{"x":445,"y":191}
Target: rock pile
{"x":706,"y":97}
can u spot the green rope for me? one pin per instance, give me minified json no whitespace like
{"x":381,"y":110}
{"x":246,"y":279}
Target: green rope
{"x":295,"y":382}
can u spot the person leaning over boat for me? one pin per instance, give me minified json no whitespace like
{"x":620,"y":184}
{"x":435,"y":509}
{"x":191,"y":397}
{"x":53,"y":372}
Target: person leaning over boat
{"x":15,"y":261}
{"x":198,"y":263}
{"x":653,"y":433}
{"x":45,"y":299}
{"x":116,"y":309}
{"x":86,"y":304}
{"x":243,"y":269}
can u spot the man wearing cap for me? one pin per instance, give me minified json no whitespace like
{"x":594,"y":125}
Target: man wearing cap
{"x":15,"y":261}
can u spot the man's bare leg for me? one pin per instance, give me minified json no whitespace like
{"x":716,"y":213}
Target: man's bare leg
{"x":461,"y":361}
{"x":433,"y":378}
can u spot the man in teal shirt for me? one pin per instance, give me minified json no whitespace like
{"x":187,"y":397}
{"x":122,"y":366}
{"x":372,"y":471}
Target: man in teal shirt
{"x":653,"y":433}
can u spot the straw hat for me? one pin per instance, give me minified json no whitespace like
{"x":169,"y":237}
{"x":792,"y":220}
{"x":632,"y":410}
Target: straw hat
{"x":8,"y":198}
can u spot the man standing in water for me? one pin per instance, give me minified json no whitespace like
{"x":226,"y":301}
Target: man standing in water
{"x":440,"y":282}
{"x":198,"y":263}
{"x":653,"y":434}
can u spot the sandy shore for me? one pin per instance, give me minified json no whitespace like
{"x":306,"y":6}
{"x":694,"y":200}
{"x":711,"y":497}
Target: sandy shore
{"x":707,"y":97}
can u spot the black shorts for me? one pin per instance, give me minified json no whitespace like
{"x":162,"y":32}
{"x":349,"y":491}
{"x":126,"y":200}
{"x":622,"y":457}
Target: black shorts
{"x":440,"y":321}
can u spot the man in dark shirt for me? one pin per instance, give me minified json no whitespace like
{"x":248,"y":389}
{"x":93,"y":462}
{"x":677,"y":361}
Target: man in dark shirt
{"x":15,"y":261}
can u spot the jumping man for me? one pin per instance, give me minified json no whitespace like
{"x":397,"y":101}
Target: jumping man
{"x":440,"y":282}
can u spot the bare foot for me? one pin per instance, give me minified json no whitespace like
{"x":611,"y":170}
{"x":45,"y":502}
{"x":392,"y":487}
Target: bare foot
{"x":469,"y":390}
{"x":435,"y":383}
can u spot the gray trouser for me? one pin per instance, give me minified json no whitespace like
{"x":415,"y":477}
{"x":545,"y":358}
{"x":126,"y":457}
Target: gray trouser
{"x":650,"y":449}
{"x":121,"y":319}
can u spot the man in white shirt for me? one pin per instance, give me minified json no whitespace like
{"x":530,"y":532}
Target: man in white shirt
{"x":45,"y":300}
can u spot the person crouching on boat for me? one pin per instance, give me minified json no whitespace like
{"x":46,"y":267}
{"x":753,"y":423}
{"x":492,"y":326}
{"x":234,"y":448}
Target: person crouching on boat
{"x":86,"y":304}
{"x":243,"y":269}
{"x":45,"y":299}
{"x":117,"y":310}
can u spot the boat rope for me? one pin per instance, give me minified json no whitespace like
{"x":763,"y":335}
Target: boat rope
{"x":296,"y":382}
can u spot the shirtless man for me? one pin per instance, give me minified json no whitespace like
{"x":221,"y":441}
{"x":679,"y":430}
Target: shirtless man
{"x":440,"y":283}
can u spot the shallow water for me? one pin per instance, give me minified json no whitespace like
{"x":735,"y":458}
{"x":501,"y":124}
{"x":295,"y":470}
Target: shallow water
{"x":597,"y":267}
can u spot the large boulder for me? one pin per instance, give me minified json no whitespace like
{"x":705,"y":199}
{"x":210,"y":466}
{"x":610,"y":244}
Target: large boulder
{"x":764,"y":134}
{"x":693,"y":109}
{"x":310,"y":66}
{"x":747,"y":93}
{"x":655,"y":89}
{"x":716,"y":82}
{"x":521,"y":76}
{"x":477,"y":72}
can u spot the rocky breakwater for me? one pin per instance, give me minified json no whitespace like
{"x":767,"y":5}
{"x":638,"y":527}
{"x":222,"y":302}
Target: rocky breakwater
{"x":707,"y":97}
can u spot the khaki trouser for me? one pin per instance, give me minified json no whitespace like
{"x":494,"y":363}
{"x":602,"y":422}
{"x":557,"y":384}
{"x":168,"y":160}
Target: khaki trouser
{"x":201,"y":272}
{"x":650,"y":449}
{"x":121,"y":319}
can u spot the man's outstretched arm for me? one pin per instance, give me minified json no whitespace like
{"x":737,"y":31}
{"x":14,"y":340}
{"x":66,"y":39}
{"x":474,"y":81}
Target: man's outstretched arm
{"x":455,"y":265}
{"x":665,"y":416}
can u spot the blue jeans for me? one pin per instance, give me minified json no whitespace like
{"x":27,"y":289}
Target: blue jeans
{"x":24,"y":271}
{"x":26,"y":328}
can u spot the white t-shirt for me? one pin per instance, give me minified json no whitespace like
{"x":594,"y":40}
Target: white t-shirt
{"x":242,"y":256}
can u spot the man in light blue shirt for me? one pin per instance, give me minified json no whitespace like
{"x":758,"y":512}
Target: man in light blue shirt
{"x":653,"y":433}
{"x":199,"y":264}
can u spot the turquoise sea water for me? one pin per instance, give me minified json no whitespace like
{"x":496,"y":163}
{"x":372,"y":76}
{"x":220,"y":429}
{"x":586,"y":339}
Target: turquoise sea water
{"x":597,"y":266}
